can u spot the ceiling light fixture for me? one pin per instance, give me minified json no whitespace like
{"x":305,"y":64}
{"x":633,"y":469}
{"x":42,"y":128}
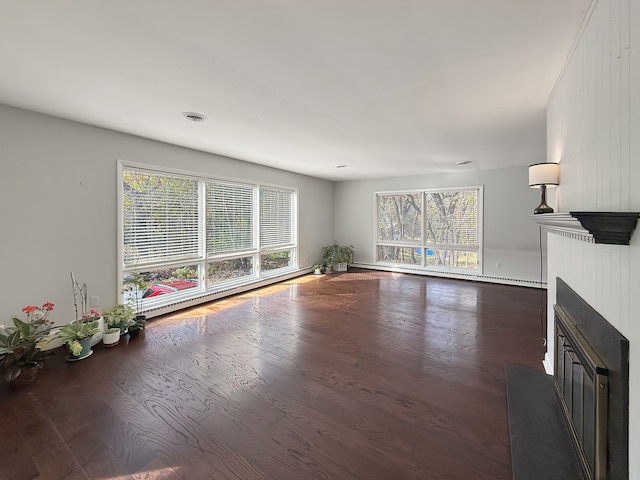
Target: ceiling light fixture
{"x":194,"y":117}
{"x":463,"y":162}
{"x":340,"y":166}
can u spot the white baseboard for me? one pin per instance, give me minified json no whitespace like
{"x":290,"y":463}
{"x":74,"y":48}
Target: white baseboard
{"x":461,"y":276}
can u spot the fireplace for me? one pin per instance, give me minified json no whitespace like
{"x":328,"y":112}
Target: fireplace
{"x":581,"y":384}
{"x":591,"y":382}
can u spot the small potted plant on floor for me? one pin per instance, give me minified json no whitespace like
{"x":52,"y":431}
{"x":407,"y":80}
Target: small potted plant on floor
{"x":118,"y":316}
{"x":94,"y":315}
{"x":111,"y":337}
{"x":137,"y":325}
{"x":337,"y":256}
{"x":81,"y":305}
{"x":134,"y":287}
{"x":77,"y":337}
{"x":20,"y":353}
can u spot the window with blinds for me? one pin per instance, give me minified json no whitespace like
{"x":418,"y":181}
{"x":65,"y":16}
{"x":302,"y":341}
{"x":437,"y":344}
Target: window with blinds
{"x":161,"y":219}
{"x":276,"y":217}
{"x":229,"y":217}
{"x":431,"y":229}
{"x":400,"y":217}
{"x":192,"y":236}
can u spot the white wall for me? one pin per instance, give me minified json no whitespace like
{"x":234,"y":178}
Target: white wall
{"x":58,"y":206}
{"x":510,"y":236}
{"x":594,"y":132}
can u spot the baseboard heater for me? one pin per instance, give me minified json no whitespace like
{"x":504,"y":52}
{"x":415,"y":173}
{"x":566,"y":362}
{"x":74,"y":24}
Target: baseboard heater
{"x":455,"y":275}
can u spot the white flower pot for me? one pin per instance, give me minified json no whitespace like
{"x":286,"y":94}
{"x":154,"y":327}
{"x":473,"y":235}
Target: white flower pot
{"x":98,"y":336}
{"x":111,"y":337}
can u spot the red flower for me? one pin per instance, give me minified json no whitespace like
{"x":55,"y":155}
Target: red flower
{"x":38,"y":315}
{"x":48,"y":306}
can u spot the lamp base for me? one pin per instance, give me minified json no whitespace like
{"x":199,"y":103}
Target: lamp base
{"x":543,"y":208}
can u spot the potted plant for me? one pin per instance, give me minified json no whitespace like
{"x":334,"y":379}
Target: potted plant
{"x":82,"y":308}
{"x":94,"y":315}
{"x":337,"y":256}
{"x":318,"y":269}
{"x":20,"y":353}
{"x":118,"y":316}
{"x":77,"y":336}
{"x":134,"y":286}
{"x":137,"y":325}
{"x":111,"y":337}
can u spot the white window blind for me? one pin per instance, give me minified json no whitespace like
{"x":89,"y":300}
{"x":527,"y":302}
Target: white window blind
{"x":160,"y":218}
{"x":276,"y":217}
{"x":400,"y":217}
{"x":229,"y":217}
{"x":452,"y":218}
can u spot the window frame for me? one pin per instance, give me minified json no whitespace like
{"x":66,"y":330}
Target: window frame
{"x":205,"y":257}
{"x":422,"y":244}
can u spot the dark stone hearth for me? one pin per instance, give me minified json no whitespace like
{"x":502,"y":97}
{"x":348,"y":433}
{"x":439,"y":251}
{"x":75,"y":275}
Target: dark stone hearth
{"x":541,"y":447}
{"x":614,"y":228}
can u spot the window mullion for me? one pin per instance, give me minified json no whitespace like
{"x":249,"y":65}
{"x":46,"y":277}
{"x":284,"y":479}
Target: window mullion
{"x":202,"y":225}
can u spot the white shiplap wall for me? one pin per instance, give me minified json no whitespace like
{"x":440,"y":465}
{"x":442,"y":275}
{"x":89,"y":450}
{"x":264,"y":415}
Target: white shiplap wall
{"x":594,"y":132}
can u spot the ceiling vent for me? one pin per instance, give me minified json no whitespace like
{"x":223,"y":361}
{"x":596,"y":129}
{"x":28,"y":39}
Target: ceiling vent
{"x":194,"y":117}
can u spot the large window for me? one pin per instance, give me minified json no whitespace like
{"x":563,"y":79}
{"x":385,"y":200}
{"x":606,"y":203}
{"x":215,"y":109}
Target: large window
{"x":432,"y":229}
{"x":192,"y":236}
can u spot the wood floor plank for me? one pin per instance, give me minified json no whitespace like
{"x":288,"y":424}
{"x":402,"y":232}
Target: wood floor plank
{"x":347,"y":376}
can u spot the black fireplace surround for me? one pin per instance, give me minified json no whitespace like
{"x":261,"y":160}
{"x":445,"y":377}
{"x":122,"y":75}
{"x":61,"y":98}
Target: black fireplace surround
{"x":591,"y":382}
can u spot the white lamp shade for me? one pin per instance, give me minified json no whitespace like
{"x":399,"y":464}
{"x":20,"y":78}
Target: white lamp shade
{"x":543,"y":174}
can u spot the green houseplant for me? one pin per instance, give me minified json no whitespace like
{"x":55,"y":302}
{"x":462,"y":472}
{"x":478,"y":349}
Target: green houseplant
{"x":20,"y":353}
{"x":135,"y":285}
{"x":337,"y":256}
{"x":119,"y":316}
{"x":111,"y":337}
{"x":77,"y":336}
{"x":137,"y":324}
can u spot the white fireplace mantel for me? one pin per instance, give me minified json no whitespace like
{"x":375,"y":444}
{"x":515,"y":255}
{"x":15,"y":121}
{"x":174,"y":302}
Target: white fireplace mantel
{"x":612,"y":228}
{"x":563,"y":224}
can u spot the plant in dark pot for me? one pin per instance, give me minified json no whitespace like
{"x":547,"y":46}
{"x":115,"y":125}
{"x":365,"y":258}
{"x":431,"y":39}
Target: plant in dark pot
{"x":137,"y":325}
{"x":134,"y":287}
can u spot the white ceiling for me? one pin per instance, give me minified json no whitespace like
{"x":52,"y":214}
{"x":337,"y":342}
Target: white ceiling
{"x":386,"y":87}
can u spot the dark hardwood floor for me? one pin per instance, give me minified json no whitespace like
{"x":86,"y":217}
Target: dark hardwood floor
{"x":361,"y":375}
